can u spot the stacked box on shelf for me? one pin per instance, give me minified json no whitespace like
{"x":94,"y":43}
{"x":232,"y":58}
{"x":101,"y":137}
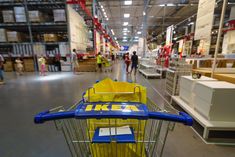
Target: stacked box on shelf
{"x":14,"y":36}
{"x":28,"y":65}
{"x":50,"y":37}
{"x":187,"y":85}
{"x":8,"y":67}
{"x":3,"y":36}
{"x":8,"y":16}
{"x":35,"y":16}
{"x":88,"y":65}
{"x":22,"y":50}
{"x":20,"y":15}
{"x":215,"y":100}
{"x":59,"y":15}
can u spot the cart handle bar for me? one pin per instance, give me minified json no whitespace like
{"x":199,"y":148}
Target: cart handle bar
{"x":47,"y":116}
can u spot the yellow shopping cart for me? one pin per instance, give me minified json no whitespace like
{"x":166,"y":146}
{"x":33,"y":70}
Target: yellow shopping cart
{"x":114,"y":119}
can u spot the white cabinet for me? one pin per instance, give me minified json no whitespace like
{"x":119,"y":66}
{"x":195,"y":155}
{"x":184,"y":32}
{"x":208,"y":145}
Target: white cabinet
{"x":215,"y":100}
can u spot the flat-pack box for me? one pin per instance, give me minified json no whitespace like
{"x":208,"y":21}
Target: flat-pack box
{"x":14,"y":36}
{"x":3,"y":35}
{"x":35,"y":16}
{"x":8,"y":16}
{"x":20,"y":14}
{"x":59,"y":15}
{"x":50,"y":37}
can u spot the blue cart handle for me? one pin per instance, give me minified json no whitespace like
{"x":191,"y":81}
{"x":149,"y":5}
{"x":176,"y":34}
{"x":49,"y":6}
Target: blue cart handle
{"x":47,"y":116}
{"x":181,"y":118}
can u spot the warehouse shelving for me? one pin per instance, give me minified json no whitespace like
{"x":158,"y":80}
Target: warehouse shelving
{"x":34,"y":30}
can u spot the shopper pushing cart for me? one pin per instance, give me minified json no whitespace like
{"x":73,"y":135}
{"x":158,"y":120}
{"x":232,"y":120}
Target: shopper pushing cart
{"x":114,"y":119}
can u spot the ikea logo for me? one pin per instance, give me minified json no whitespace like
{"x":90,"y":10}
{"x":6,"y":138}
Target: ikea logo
{"x":113,"y":107}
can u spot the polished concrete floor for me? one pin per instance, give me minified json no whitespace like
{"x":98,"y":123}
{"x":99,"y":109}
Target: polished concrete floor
{"x":22,"y":97}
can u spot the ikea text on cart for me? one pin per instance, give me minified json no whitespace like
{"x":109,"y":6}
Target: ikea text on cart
{"x":99,"y":107}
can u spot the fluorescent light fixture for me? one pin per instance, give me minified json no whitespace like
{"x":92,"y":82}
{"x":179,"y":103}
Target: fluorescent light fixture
{"x":107,"y":19}
{"x":125,"y":29}
{"x":170,"y":4}
{"x":124,"y":33}
{"x":112,"y":32}
{"x":104,"y":13}
{"x":124,"y":37}
{"x":102,"y":6}
{"x":128,"y":2}
{"x":139,"y":32}
{"x":125,"y":23}
{"x":126,"y":15}
{"x":144,"y":13}
{"x":136,"y":40}
{"x":103,"y":10}
{"x":124,"y":40}
{"x":161,"y":5}
{"x":115,"y":38}
{"x":136,"y":37}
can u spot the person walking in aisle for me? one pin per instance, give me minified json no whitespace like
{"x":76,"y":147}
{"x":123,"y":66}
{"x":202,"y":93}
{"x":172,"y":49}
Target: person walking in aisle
{"x":134,"y":61}
{"x":1,"y":69}
{"x":42,"y":63}
{"x":75,"y":61}
{"x":99,"y":61}
{"x":127,"y":62}
{"x":19,"y":66}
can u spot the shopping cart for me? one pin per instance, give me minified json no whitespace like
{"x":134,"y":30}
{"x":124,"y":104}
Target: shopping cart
{"x":114,"y":129}
{"x":108,"y":65}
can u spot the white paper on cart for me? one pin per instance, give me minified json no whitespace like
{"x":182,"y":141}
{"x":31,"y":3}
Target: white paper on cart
{"x":124,"y":130}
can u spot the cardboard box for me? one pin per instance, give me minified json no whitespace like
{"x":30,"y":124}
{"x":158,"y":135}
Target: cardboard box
{"x":35,"y":16}
{"x":20,"y":14}
{"x":8,"y":67}
{"x":59,"y":15}
{"x":14,"y":36}
{"x":8,"y":16}
{"x":3,"y":36}
{"x":50,"y":37}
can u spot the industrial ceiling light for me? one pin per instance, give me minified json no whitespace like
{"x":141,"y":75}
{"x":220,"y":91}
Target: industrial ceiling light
{"x":124,"y":37}
{"x":139,"y":32}
{"x":124,"y":33}
{"x":127,"y":2}
{"x":125,"y":29}
{"x":112,"y":32}
{"x":144,"y":13}
{"x":126,"y":15}
{"x":136,"y":37}
{"x":125,"y":23}
{"x":102,"y":6}
{"x":124,"y":40}
{"x":107,"y":19}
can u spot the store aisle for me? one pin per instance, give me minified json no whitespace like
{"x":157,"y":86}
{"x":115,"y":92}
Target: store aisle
{"x":21,"y":98}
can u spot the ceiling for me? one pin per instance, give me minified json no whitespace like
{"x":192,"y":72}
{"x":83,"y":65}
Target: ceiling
{"x":160,"y":14}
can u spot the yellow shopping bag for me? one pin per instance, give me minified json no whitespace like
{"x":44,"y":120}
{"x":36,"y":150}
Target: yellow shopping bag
{"x":108,"y":90}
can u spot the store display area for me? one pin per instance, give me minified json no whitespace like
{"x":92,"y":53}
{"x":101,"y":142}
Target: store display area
{"x":211,"y":104}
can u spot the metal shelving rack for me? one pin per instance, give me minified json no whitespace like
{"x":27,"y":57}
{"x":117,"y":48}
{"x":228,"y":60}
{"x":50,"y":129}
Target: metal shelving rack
{"x":32,"y":28}
{"x":173,"y":74}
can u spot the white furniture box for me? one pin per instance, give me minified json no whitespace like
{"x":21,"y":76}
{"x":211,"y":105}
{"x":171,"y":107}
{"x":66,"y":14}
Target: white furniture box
{"x":35,"y":16}
{"x":187,"y":84}
{"x":215,"y":100}
{"x":8,"y":16}
{"x":3,"y":36}
{"x":59,"y":15}
{"x":20,"y":14}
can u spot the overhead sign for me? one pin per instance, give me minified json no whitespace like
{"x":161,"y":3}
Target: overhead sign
{"x":205,"y":16}
{"x":169,"y":34}
{"x":124,"y":48}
